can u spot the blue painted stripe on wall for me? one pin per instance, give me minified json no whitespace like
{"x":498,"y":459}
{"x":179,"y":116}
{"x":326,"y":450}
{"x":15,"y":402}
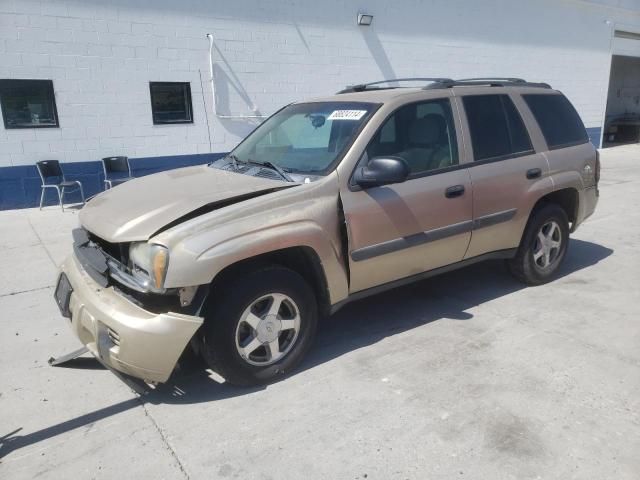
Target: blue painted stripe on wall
{"x":594,"y":135}
{"x":20,"y":186}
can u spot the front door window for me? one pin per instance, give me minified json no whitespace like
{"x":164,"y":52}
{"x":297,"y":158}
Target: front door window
{"x":423,"y":134}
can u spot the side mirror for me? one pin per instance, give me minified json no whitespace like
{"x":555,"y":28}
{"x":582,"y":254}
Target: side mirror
{"x":382,"y":171}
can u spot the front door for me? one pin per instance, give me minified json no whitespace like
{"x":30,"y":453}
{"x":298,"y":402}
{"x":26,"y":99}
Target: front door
{"x":404,"y":229}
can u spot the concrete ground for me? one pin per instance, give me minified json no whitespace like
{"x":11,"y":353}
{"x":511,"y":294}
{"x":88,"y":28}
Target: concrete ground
{"x":468,"y":375}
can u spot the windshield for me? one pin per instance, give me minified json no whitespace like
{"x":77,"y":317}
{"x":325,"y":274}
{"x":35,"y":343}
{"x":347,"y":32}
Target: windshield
{"x":305,"y":137}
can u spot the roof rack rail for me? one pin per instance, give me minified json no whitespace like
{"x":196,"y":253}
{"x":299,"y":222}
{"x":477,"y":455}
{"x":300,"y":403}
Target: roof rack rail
{"x":372,"y":85}
{"x":487,"y":81}
{"x":504,"y":79}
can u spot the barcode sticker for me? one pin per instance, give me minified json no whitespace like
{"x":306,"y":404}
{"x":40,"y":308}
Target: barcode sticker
{"x":347,"y":115}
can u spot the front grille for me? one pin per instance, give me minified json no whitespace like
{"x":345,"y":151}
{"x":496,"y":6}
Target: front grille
{"x":118,"y":251}
{"x":92,"y":259}
{"x":95,"y":254}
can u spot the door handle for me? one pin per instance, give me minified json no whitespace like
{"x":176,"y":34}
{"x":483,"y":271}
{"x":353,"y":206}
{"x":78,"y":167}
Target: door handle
{"x":454,"y":191}
{"x":534,"y":173}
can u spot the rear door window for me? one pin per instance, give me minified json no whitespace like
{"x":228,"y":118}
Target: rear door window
{"x":497,"y":130}
{"x":560,"y":123}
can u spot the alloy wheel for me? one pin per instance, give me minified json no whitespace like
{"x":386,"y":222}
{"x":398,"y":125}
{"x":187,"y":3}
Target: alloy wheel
{"x":548,"y":245}
{"x":268,"y":329}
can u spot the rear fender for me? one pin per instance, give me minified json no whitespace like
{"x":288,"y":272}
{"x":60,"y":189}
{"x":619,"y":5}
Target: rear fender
{"x":568,"y":179}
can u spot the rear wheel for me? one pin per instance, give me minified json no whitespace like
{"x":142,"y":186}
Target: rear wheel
{"x":259,"y":326}
{"x":543,"y":247}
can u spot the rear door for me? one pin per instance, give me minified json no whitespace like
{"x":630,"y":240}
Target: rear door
{"x":507,"y":174}
{"x":404,"y":229}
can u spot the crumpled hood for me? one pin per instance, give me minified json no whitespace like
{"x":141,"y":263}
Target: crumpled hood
{"x":137,"y":209}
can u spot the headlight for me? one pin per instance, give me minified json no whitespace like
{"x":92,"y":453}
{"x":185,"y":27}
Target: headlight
{"x":149,"y":264}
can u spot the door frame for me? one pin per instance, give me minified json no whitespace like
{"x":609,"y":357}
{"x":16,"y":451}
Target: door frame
{"x":615,"y":27}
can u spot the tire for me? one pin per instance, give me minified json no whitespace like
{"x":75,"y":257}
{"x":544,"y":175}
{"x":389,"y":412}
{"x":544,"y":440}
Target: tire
{"x":241,"y":329}
{"x":528,"y":266}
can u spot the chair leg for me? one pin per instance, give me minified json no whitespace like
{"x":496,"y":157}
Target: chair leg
{"x":60,"y":197}
{"x":41,"y":197}
{"x":81,"y":192}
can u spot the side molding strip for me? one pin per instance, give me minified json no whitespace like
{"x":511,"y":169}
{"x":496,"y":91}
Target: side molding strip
{"x":494,"y":219}
{"x":421,"y":238}
{"x":414,"y":240}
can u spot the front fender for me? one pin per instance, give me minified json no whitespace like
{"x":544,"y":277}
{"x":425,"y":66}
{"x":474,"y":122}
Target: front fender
{"x":204,"y":267}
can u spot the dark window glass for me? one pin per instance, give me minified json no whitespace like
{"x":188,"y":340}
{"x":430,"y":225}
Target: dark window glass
{"x":171,"y":102}
{"x":560,"y":123}
{"x":497,"y":131}
{"x":423,"y":134}
{"x":28,"y":103}
{"x":520,"y":141}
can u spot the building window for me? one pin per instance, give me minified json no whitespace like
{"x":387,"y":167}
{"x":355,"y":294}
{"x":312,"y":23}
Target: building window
{"x":28,"y":104}
{"x":171,"y":102}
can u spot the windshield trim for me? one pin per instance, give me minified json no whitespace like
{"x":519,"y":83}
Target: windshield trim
{"x":375,"y":106}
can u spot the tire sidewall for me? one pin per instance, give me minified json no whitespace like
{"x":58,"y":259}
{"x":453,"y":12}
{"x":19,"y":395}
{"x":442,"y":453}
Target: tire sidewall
{"x":224,"y":310}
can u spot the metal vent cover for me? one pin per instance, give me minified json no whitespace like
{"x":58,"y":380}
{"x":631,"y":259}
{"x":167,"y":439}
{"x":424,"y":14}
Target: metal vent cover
{"x":266,"y":173}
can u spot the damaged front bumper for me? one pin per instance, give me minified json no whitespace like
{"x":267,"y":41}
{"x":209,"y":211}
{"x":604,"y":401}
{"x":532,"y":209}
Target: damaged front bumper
{"x":121,"y":334}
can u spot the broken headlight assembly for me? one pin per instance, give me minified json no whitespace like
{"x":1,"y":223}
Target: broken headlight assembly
{"x":149,"y":263}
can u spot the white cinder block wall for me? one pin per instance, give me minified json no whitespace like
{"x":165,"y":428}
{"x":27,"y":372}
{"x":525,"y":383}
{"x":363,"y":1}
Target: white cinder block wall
{"x":102,"y":54}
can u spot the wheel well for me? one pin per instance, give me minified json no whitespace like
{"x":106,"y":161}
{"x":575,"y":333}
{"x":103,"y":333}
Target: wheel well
{"x":303,"y":260}
{"x":567,"y":199}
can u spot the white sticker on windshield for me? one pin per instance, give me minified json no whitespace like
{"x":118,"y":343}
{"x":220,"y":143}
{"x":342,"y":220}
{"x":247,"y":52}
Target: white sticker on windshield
{"x":347,"y":115}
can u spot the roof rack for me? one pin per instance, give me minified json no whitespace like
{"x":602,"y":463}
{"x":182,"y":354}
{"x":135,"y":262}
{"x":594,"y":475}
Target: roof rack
{"x":488,"y":81}
{"x":436,"y":82}
{"x":361,"y":87}
{"x":503,"y":79}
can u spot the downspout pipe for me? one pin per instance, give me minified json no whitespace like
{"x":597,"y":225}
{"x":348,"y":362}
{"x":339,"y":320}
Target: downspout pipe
{"x":213,"y":88}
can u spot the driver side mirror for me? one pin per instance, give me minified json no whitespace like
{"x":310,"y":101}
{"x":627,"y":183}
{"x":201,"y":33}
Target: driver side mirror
{"x":382,"y":171}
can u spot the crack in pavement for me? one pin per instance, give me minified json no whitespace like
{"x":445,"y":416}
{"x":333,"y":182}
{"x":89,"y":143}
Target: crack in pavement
{"x":41,"y":242}
{"x":164,"y":438}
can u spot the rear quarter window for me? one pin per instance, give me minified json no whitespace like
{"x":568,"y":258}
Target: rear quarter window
{"x":560,"y":123}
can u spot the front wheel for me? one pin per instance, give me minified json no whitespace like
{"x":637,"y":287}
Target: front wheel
{"x":543,"y":247}
{"x":259,"y":326}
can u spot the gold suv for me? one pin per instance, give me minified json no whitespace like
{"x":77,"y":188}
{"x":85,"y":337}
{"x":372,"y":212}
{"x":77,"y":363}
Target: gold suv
{"x":327,"y":201}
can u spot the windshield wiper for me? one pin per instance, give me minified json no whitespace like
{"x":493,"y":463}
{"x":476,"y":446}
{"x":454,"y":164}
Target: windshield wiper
{"x":235,"y":160}
{"x":279,"y":170}
{"x":275,"y":167}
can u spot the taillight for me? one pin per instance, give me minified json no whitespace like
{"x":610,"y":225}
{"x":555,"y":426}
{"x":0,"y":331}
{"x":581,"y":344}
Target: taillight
{"x":597,"y":176}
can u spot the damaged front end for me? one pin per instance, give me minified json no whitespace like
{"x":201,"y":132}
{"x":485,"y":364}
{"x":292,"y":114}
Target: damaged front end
{"x":135,"y":269}
{"x":117,"y":287}
{"x":121,"y":314}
